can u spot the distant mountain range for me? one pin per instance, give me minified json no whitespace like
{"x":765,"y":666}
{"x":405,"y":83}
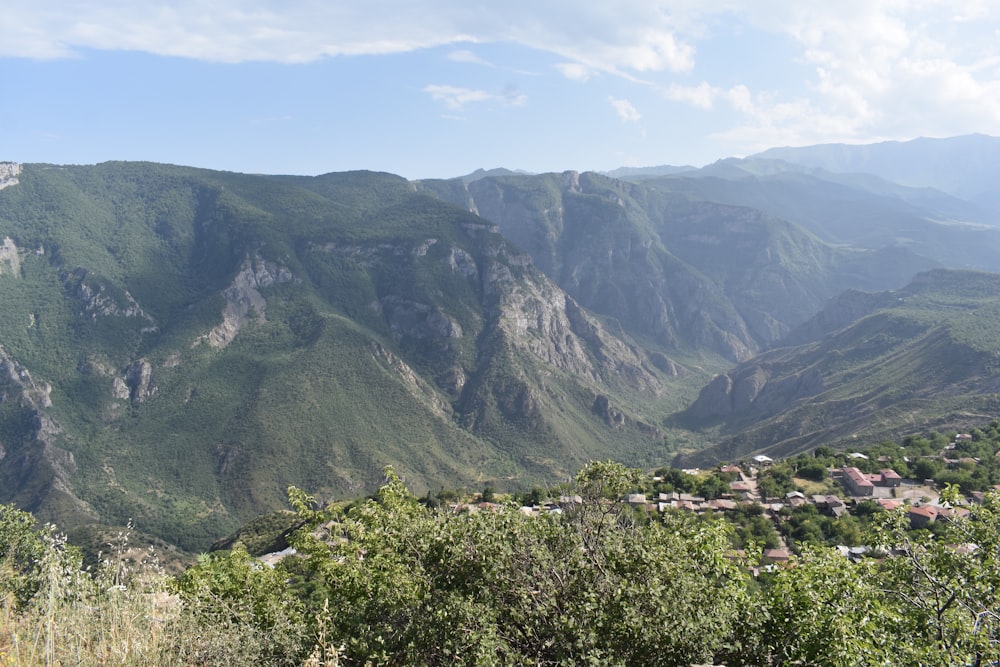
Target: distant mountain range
{"x":179,"y":345}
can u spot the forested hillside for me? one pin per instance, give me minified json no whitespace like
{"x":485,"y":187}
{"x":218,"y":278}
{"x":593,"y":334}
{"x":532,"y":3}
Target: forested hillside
{"x":181,"y":345}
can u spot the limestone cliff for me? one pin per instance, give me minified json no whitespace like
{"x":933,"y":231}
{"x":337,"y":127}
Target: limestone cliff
{"x":244,"y":300}
{"x":9,"y":171}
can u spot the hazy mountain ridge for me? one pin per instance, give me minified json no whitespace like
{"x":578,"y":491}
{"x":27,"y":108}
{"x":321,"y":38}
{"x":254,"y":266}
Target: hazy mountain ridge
{"x":963,"y":166}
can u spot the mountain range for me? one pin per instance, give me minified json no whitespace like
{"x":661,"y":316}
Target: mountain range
{"x":179,"y":345}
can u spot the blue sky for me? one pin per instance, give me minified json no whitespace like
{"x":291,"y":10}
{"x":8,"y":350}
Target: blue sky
{"x":440,"y":88}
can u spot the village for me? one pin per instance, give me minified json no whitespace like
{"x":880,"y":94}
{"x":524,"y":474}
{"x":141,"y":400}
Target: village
{"x":844,"y":490}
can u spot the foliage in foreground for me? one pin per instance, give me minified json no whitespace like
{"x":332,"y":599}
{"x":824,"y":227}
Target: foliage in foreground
{"x":392,"y":582}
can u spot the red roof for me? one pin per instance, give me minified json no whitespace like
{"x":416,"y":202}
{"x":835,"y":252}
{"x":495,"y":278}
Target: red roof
{"x":860,"y":479}
{"x":926,"y":511}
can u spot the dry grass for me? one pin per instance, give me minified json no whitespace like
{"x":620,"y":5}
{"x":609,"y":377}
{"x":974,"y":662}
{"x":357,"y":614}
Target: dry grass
{"x":123,"y":614}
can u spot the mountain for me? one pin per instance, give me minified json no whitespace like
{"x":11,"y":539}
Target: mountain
{"x":867,"y":367}
{"x":856,"y":210}
{"x":963,"y":166}
{"x":483,"y":173}
{"x":178,"y":346}
{"x":676,"y":267}
{"x":638,"y":173}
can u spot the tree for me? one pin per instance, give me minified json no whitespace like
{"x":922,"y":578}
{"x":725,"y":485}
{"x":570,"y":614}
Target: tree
{"x":817,"y":472}
{"x":943,"y":589}
{"x":825,"y":610}
{"x":712,"y":487}
{"x":21,"y":551}
{"x":414,"y":586}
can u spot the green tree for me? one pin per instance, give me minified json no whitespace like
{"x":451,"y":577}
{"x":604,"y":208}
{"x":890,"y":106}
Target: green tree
{"x":21,"y":551}
{"x":825,"y":610}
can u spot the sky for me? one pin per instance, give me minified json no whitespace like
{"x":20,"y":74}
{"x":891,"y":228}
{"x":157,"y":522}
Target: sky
{"x":439,"y":88}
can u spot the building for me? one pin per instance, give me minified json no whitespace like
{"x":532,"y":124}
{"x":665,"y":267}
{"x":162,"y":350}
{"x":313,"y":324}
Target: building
{"x":858,"y":483}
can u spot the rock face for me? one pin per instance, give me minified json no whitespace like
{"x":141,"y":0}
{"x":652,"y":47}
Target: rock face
{"x":750,"y":392}
{"x":34,"y":471}
{"x":139,"y":380}
{"x":611,"y":415}
{"x":244,"y":300}
{"x":9,"y":261}
{"x":9,"y":172}
{"x":99,"y":299}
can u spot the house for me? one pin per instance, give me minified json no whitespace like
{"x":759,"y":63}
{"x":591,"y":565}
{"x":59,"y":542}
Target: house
{"x":858,"y":483}
{"x":947,"y":513}
{"x":777,"y":555}
{"x":922,"y":516}
{"x":637,"y":499}
{"x":762,"y":460}
{"x":722,"y":505}
{"x":890,"y":478}
{"x":830,"y":505}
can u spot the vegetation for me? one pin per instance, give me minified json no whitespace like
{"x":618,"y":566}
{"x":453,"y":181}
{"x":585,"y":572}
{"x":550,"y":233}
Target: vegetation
{"x":390,"y":581}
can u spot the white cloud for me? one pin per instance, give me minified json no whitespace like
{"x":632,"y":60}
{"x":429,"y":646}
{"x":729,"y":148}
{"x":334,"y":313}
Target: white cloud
{"x":701,"y":96}
{"x":574,"y":71}
{"x":457,"y":98}
{"x":466,"y":56}
{"x":626,"y":110}
{"x":874,"y":68}
{"x":626,"y":35}
{"x":881,"y":69}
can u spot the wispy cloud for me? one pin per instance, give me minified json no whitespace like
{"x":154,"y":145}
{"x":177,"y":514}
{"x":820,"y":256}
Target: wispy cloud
{"x":574,"y":71}
{"x":626,"y":35}
{"x":626,"y":110}
{"x":701,"y":96}
{"x":466,"y":56}
{"x":456,"y":98}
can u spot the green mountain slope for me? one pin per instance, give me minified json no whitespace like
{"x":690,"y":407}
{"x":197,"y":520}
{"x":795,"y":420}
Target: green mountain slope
{"x":180,"y":345}
{"x":869,"y":366}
